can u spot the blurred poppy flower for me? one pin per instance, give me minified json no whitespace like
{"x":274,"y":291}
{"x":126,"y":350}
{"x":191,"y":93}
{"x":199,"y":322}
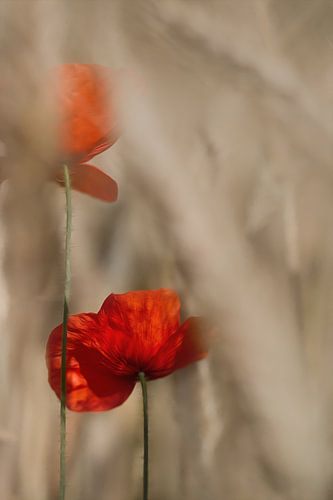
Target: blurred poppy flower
{"x":85,"y":104}
{"x":132,"y":332}
{"x":87,"y":126}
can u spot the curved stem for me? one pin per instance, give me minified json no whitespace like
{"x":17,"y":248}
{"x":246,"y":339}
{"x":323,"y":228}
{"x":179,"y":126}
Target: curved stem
{"x":62,"y":477}
{"x":143,"y":382}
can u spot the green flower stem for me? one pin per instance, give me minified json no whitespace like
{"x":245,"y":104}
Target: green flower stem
{"x":62,"y":476}
{"x":143,"y":382}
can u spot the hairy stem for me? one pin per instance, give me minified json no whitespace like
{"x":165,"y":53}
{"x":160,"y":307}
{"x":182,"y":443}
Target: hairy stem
{"x":62,"y":476}
{"x":143,"y":382}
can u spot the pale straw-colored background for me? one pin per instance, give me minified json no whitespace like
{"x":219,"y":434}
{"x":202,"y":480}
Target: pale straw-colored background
{"x":225,"y":167}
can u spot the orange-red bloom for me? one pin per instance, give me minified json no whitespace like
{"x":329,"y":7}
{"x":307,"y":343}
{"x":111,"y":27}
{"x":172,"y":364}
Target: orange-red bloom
{"x":87,"y":126}
{"x":132,"y":332}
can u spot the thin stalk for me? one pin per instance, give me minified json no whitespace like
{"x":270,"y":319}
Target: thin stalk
{"x":62,"y":476}
{"x":143,"y":382}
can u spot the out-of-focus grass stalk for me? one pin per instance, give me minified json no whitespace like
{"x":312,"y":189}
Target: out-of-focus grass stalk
{"x":62,"y":476}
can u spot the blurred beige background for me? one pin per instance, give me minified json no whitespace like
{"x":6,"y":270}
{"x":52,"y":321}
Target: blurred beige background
{"x":225,"y":167}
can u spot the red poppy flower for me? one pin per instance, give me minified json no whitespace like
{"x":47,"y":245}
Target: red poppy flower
{"x":132,"y":332}
{"x":87,"y":126}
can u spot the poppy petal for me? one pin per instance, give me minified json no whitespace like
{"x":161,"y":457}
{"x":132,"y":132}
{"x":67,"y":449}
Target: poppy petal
{"x":91,"y":386}
{"x":195,"y":342}
{"x":91,"y":180}
{"x":86,"y":101}
{"x":185,"y":346}
{"x":163,"y":363}
{"x":140,"y":323}
{"x":100,"y":147}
